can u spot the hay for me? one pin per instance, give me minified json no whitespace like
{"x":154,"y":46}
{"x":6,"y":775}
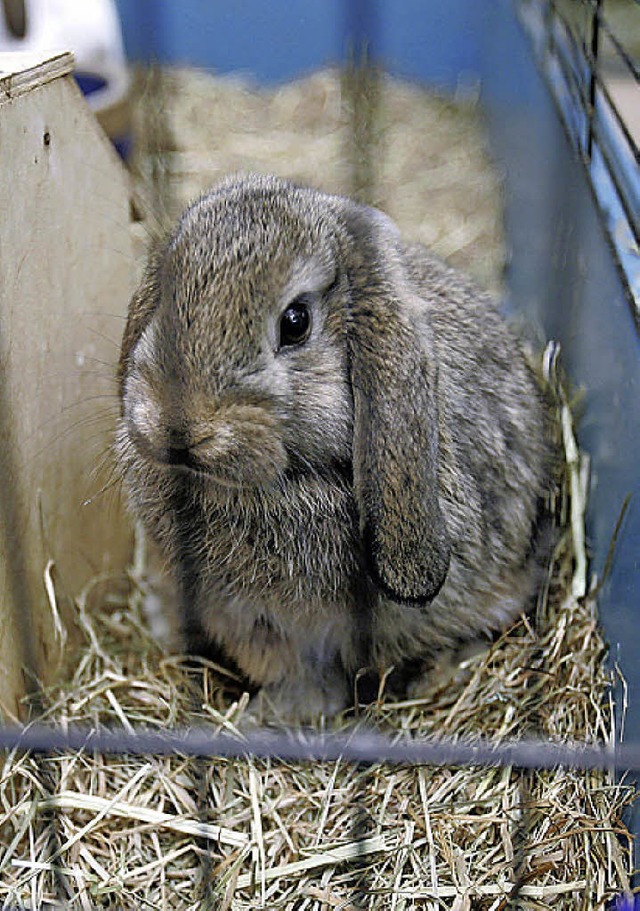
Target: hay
{"x":82,"y":831}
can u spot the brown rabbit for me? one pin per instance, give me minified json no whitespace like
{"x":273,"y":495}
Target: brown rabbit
{"x":334,"y":439}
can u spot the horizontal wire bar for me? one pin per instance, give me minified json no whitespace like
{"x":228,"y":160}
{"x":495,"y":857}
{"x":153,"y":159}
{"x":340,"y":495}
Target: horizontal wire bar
{"x":359,"y":746}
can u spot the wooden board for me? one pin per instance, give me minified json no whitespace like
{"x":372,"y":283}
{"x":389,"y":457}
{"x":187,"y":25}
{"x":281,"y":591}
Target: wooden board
{"x":22,"y":72}
{"x":66,"y":268}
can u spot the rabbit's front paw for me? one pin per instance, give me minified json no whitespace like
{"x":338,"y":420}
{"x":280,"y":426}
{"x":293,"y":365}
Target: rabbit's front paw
{"x":300,"y":700}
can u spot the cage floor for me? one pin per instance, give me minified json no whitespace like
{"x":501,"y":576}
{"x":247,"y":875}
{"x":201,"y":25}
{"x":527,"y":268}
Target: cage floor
{"x":83,"y":831}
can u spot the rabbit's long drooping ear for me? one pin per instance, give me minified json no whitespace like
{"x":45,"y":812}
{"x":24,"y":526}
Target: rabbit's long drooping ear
{"x":395,"y":449}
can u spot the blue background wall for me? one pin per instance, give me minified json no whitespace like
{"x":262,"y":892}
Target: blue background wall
{"x":276,"y":40}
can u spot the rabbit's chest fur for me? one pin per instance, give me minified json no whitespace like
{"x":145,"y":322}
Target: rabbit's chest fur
{"x":268,"y":576}
{"x":291,"y":544}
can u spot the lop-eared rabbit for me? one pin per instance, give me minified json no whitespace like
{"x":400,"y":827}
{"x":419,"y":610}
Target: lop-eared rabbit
{"x":334,"y":439}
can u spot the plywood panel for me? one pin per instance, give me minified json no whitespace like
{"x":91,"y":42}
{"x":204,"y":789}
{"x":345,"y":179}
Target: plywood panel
{"x":66,"y":268}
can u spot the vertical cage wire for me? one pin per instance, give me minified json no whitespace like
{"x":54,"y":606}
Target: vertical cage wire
{"x":570,"y":52}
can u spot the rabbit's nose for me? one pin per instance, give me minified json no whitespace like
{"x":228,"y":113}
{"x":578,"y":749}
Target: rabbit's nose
{"x":178,"y":455}
{"x":177,"y":450}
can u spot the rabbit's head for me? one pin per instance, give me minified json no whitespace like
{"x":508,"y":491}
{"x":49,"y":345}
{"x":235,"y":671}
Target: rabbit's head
{"x":274,"y":334}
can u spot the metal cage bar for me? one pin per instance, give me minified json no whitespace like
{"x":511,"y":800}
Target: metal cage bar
{"x":595,"y":126}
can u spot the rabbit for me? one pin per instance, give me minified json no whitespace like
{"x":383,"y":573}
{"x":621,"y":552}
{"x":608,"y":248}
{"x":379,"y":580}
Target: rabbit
{"x":335,"y":440}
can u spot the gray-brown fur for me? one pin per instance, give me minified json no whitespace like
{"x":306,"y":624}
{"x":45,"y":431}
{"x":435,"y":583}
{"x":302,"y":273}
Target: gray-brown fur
{"x":368,"y":496}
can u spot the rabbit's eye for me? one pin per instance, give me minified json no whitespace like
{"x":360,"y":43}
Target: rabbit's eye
{"x":295,"y":323}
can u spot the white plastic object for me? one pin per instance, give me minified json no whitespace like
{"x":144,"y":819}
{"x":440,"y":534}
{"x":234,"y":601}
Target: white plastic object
{"x":89,"y":28}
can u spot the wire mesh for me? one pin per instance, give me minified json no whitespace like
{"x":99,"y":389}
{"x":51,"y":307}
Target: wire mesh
{"x":579,"y":49}
{"x":587,"y":107}
{"x":309,"y":745}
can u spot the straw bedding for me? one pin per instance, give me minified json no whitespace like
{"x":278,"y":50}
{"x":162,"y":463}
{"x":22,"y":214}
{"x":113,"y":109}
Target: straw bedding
{"x":86,"y":831}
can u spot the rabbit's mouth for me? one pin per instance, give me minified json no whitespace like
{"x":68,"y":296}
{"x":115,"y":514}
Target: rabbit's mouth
{"x":232,"y":467}
{"x":234,"y":444}
{"x":192,"y":467}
